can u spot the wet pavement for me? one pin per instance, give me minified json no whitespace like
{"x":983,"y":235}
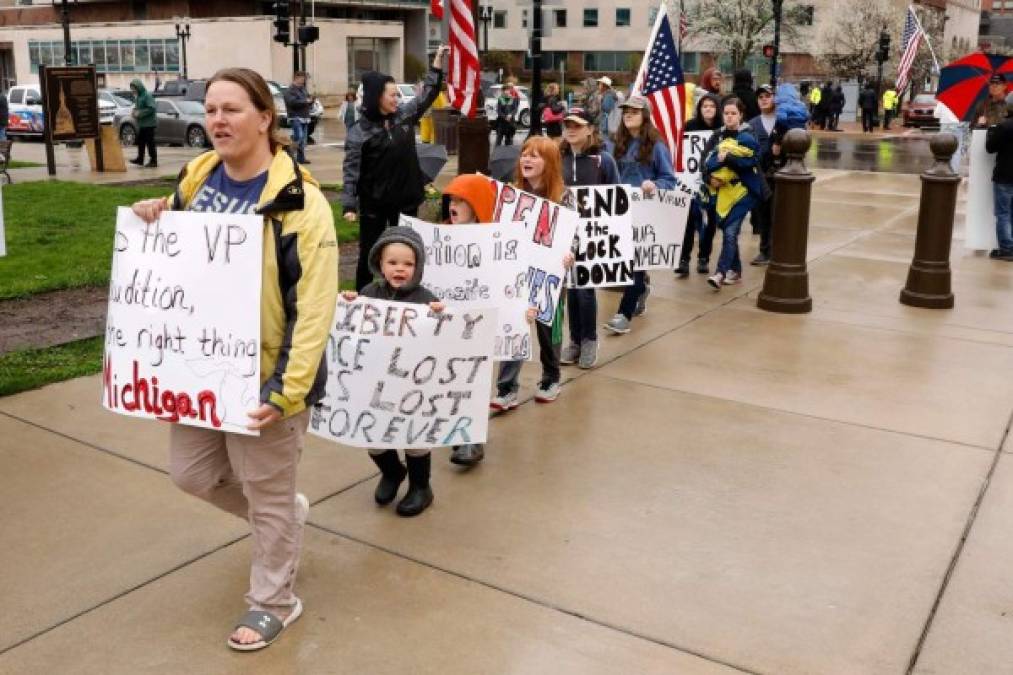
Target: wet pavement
{"x":890,"y":154}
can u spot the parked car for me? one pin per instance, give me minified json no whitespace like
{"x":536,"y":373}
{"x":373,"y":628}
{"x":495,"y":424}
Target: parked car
{"x":919,"y":111}
{"x":191,"y":89}
{"x":523,"y":113}
{"x":405,"y":92}
{"x":120,"y":104}
{"x":179,"y":122}
{"x":25,"y":118}
{"x":278,"y":91}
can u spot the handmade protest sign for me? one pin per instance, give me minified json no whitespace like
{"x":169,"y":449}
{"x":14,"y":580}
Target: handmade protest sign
{"x":549,"y":229}
{"x":401,"y":376}
{"x":182,"y":340}
{"x":605,"y":246}
{"x":979,"y":231}
{"x":659,"y":223}
{"x":481,"y":266}
{"x":691,"y":177}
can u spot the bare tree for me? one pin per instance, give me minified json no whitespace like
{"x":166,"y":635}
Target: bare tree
{"x":739,"y":27}
{"x":847,"y":43}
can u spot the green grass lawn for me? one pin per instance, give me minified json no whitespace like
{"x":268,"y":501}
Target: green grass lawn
{"x":32,"y":368}
{"x":59,"y":234}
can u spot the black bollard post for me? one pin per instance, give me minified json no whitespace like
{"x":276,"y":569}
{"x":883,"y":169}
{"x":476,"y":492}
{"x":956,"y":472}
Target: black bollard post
{"x":928,"y":280}
{"x":786,"y":284}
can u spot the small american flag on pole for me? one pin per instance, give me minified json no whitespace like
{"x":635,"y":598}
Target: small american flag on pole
{"x":909,"y":41}
{"x":662,"y":82}
{"x":464,"y":78}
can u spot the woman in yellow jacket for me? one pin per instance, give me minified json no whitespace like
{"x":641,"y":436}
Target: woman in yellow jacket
{"x":427,"y":127}
{"x":253,"y":477}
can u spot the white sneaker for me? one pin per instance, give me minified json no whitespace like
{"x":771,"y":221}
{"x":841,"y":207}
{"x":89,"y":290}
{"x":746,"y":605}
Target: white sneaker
{"x":732,"y":278}
{"x":715,"y":280}
{"x":570,"y":354}
{"x":504,"y":402}
{"x":547,"y":392}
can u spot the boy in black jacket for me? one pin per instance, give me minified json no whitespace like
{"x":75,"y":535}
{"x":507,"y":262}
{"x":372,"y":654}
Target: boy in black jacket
{"x":999,"y":139}
{"x":397,"y":259}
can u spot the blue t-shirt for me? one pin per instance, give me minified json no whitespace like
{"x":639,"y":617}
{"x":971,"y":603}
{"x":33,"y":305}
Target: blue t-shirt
{"x":221,"y":194}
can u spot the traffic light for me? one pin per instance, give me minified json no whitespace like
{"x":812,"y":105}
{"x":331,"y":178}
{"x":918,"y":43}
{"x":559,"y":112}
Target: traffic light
{"x":282,"y":13}
{"x":309,"y":34}
{"x":884,"y":47}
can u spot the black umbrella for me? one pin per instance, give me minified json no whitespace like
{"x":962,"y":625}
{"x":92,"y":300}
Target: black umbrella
{"x":503,"y":161}
{"x":432,"y":158}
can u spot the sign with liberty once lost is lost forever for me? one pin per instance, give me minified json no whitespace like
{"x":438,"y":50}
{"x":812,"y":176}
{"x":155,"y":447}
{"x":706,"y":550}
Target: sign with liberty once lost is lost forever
{"x":182,"y":340}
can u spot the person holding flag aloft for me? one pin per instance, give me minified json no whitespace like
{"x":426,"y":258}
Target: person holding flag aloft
{"x":382,"y":174}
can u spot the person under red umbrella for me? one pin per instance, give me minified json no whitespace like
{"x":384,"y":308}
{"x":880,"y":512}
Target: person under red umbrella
{"x":964,"y":85}
{"x":993,"y":109}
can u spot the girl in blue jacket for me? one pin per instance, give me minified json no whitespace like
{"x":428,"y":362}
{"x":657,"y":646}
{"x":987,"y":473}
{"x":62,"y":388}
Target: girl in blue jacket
{"x":644,"y":162}
{"x":733,"y":184}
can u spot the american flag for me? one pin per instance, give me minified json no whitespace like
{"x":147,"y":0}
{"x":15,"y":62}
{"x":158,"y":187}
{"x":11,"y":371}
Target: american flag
{"x":909,"y":41}
{"x":464,"y":79}
{"x":662,"y":82}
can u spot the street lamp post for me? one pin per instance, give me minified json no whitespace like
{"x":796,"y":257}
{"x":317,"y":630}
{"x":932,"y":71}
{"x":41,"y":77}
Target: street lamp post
{"x":68,"y":59}
{"x":485,"y":16}
{"x":778,"y":10}
{"x":183,"y":35}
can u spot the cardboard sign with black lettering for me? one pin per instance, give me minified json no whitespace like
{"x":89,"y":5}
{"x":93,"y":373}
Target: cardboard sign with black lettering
{"x":402,"y":376}
{"x":605,"y":246}
{"x":549,"y":229}
{"x":183,"y":328}
{"x":481,"y":266}
{"x":659,"y":223}
{"x":693,"y":142}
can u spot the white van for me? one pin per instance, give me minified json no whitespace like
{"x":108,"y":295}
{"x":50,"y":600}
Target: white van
{"x":25,"y":118}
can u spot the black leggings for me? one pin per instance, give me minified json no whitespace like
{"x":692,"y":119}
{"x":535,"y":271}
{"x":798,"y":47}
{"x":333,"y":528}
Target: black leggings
{"x":146,"y":139}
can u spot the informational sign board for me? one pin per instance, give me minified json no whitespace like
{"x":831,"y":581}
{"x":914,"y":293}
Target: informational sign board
{"x":402,"y":376}
{"x":70,"y":102}
{"x":693,"y":143}
{"x":182,"y":340}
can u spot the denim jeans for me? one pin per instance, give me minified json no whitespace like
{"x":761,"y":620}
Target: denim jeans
{"x":730,"y":226}
{"x":299,"y":129}
{"x":582,"y":305}
{"x":1003,"y":194}
{"x":3,"y":133}
{"x":632,"y":293}
{"x":548,"y":353}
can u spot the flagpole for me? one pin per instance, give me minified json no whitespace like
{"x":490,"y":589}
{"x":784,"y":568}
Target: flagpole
{"x":928,"y":43}
{"x":662,"y":12}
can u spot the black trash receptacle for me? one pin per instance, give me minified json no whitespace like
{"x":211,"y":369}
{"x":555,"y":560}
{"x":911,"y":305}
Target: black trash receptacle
{"x":445,"y":125}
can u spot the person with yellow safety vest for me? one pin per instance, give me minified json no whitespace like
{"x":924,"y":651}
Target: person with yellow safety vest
{"x":890,"y":101}
{"x":815,"y":96}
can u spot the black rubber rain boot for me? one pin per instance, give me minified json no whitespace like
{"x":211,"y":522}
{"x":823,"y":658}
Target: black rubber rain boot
{"x":419,"y":495}
{"x":393,"y":473}
{"x":468,"y":454}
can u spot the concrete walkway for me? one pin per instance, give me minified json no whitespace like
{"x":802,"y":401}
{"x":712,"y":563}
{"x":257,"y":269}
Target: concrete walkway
{"x":729,"y":491}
